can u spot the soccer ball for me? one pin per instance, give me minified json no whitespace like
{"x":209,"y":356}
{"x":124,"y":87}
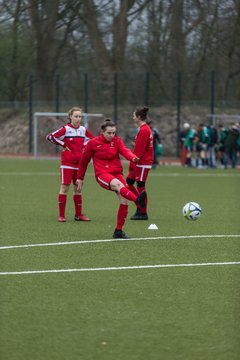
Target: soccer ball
{"x":192,"y":211}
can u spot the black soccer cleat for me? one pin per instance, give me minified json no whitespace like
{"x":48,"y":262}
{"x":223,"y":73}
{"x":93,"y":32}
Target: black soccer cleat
{"x":119,"y":234}
{"x":139,"y":216}
{"x":136,"y":214}
{"x":141,"y":199}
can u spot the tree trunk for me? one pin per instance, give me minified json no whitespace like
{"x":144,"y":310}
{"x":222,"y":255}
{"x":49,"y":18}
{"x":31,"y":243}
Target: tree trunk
{"x":43,"y":18}
{"x":111,"y":59}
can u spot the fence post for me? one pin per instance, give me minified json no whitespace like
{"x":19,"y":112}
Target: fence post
{"x":178,"y":112}
{"x":212,"y":98}
{"x":30,"y":112}
{"x":57,"y":102}
{"x":115,"y":98}
{"x":57,"y":92}
{"x":86,"y":93}
{"x":146,"y":94}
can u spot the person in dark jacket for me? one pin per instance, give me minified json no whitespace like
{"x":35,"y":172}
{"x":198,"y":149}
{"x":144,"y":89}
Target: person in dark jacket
{"x":156,"y":142}
{"x":231,"y":146}
{"x":213,"y":140}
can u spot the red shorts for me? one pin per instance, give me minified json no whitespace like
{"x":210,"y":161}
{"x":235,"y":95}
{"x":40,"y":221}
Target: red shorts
{"x":68,"y":174}
{"x":138,"y":172}
{"x":105,"y":179}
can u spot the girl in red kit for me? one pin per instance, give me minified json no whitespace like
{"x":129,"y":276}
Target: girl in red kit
{"x":143,"y":149}
{"x":104,"y":150}
{"x":71,"y":138}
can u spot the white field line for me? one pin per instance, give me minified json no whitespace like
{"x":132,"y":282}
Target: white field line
{"x":118,"y":268}
{"x":223,"y":174}
{"x":195,"y":174}
{"x":30,"y":173}
{"x":83,"y":242}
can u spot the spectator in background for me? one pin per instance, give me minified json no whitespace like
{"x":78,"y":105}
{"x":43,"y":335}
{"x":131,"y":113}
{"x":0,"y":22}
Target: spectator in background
{"x":156,"y":143}
{"x":202,"y":146}
{"x":188,"y":139}
{"x":143,"y":149}
{"x":222,"y":134}
{"x":72,"y":138}
{"x":212,"y":143}
{"x":232,"y":143}
{"x":104,"y":150}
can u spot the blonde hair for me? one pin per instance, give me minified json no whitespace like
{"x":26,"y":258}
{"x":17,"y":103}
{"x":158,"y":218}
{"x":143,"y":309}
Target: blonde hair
{"x":71,"y":111}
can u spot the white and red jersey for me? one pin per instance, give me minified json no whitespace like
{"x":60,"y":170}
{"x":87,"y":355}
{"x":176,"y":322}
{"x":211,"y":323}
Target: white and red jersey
{"x":105,"y":156}
{"x":143,"y":145}
{"x":72,"y":138}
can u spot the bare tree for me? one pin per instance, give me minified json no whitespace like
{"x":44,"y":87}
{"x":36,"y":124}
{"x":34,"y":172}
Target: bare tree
{"x":51,"y":23}
{"x":233,"y":53}
{"x":102,"y":37}
{"x":14,"y":50}
{"x":109,"y":39}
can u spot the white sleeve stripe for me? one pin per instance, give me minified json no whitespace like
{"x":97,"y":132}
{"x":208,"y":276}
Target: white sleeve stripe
{"x":58,"y":141}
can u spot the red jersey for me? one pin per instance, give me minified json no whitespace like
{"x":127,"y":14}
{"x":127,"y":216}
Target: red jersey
{"x":105,"y":155}
{"x":143,"y":145}
{"x":72,"y":138}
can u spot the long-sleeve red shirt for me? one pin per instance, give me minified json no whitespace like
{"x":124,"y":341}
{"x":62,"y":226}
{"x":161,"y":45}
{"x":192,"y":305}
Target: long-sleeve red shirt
{"x":72,"y":138}
{"x":105,"y":156}
{"x":143,"y":145}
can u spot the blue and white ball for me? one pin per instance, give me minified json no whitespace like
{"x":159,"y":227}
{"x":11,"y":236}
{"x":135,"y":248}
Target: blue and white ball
{"x":192,"y":211}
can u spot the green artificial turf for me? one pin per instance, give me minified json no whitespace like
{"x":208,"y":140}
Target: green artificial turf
{"x":115,"y":299}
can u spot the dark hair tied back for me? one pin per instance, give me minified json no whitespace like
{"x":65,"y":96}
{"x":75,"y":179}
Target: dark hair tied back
{"x":107,"y":122}
{"x":142,"y":112}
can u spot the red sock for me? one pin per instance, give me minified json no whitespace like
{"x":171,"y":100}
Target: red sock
{"x":121,"y":216}
{"x":144,"y":209}
{"x":127,"y":194}
{"x":77,"y":198}
{"x":62,"y":200}
{"x":133,"y":189}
